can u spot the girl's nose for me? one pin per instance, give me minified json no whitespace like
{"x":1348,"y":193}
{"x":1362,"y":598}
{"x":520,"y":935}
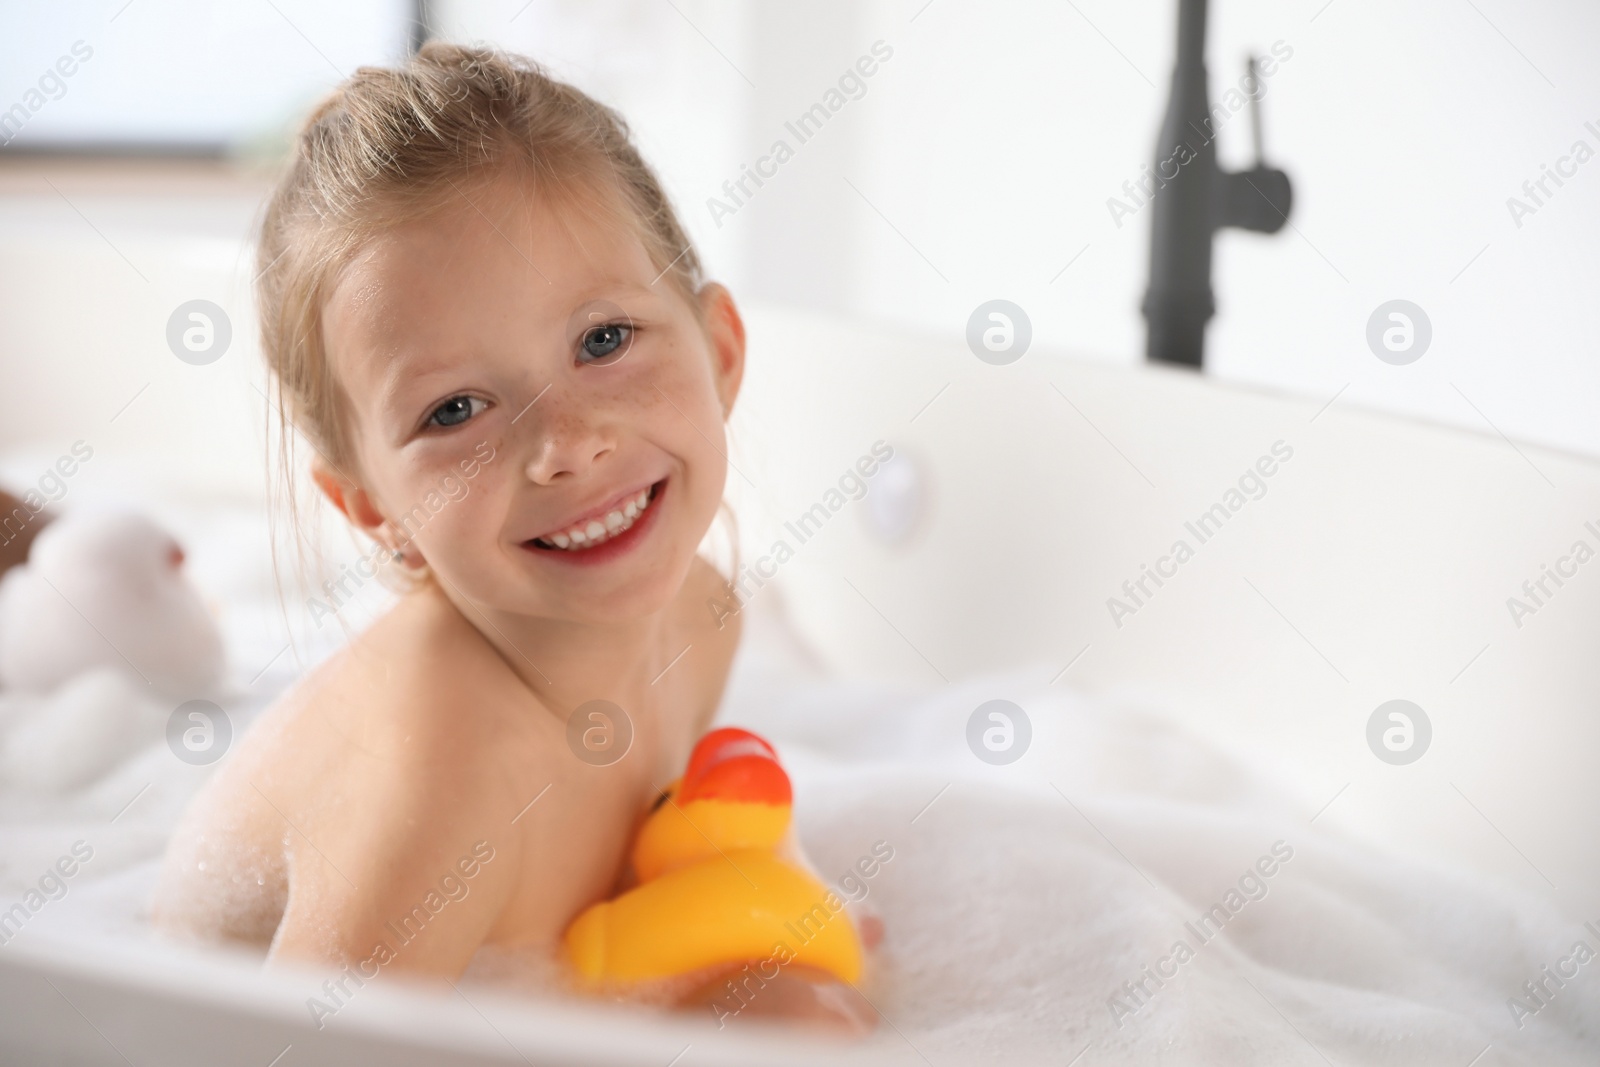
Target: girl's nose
{"x":568,"y":445}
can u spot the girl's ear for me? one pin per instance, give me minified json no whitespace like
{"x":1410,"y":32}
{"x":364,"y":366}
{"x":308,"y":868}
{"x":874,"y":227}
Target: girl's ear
{"x":725,"y":330}
{"x":349,"y":498}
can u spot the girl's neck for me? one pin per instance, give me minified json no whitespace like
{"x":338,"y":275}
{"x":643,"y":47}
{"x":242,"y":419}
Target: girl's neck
{"x":566,"y":663}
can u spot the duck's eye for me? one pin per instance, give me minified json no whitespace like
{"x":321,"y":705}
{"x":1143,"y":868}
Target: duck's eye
{"x":605,"y":344}
{"x":455,"y":411}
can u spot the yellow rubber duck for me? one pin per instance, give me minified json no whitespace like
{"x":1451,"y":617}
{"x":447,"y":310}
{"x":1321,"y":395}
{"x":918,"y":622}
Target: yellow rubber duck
{"x":712,"y":889}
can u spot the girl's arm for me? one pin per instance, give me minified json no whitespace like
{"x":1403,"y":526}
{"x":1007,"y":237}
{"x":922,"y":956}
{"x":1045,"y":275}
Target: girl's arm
{"x":409,"y":872}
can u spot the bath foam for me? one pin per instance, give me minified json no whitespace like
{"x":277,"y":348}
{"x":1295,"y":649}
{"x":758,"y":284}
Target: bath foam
{"x":1011,"y":920}
{"x":1025,"y":900}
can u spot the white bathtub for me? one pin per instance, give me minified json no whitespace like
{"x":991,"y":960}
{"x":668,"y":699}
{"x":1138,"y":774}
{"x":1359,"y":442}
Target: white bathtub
{"x":1377,"y":565}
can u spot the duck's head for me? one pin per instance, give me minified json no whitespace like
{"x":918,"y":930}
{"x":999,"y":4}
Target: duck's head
{"x":714,"y":888}
{"x":733,"y":795}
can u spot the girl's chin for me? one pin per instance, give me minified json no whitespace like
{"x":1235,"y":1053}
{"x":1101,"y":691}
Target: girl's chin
{"x":629,"y":604}
{"x":586,"y":598}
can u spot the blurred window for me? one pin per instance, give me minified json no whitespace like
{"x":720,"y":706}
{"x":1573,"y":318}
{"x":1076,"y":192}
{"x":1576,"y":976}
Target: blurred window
{"x":102,"y":77}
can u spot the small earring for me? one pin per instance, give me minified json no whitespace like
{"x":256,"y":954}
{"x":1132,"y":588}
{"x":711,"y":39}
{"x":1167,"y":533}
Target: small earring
{"x":402,"y":554}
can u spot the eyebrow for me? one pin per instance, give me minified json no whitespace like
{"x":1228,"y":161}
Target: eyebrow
{"x":642,"y":290}
{"x":623,"y":289}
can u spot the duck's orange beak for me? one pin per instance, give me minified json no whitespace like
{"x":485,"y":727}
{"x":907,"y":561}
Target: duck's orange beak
{"x":733,"y":795}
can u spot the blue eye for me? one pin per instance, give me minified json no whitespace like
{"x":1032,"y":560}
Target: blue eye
{"x":606,"y":344}
{"x":455,"y":411}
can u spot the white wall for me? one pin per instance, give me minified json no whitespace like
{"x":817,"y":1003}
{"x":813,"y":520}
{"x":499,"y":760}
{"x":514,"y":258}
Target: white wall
{"x":993,"y":138}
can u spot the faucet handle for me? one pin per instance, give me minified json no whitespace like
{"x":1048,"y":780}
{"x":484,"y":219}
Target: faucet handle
{"x":1257,"y":199}
{"x":1252,"y":74}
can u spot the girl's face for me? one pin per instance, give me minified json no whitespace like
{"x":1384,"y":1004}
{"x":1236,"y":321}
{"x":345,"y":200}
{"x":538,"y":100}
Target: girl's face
{"x":536,"y":410}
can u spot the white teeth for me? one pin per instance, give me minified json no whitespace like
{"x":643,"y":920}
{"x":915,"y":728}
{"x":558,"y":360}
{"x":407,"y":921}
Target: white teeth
{"x":595,"y":531}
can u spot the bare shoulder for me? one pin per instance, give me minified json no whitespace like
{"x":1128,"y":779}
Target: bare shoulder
{"x":375,"y":778}
{"x":420,"y":700}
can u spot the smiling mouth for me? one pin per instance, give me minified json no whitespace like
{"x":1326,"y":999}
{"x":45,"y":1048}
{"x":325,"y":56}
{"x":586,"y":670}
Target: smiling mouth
{"x":601,"y":528}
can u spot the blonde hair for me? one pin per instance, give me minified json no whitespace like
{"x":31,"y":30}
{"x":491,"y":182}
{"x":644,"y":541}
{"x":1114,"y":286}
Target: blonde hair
{"x":395,"y":145}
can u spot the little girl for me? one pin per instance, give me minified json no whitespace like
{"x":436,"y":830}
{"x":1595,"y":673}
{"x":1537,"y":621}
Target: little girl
{"x":469,"y":276}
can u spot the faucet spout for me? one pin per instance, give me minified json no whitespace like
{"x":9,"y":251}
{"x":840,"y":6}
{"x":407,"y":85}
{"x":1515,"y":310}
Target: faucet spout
{"x":1195,"y":198}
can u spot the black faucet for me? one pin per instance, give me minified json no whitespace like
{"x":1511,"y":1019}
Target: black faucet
{"x":1199,"y":199}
